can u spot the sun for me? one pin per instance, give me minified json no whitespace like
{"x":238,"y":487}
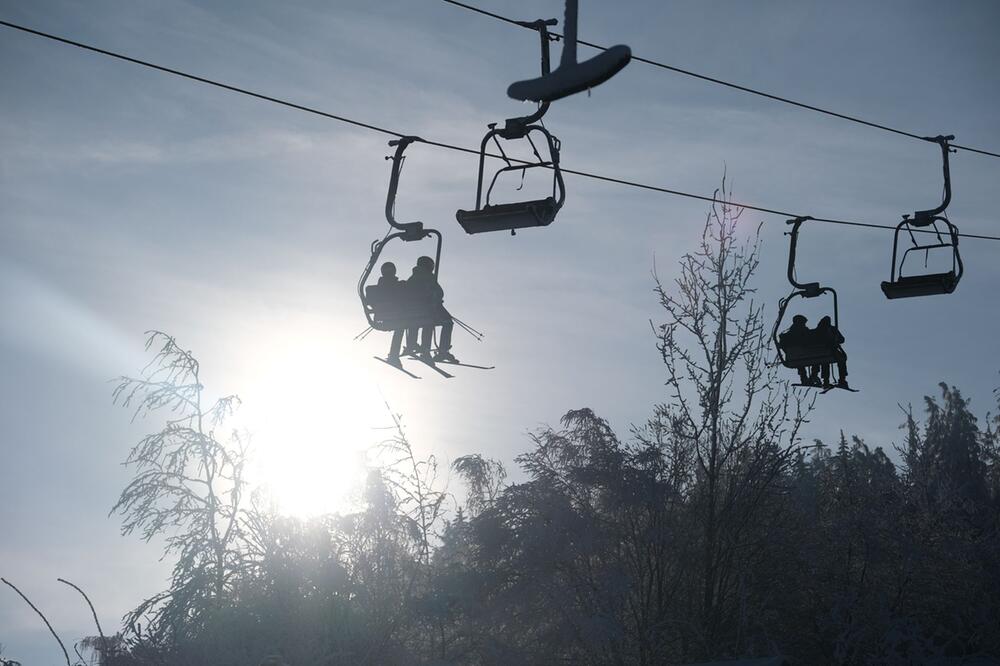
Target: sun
{"x":311,"y":408}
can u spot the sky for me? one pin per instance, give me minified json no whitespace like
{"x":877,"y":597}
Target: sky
{"x":131,"y":200}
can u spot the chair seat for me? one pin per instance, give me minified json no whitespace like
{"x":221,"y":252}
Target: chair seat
{"x":921,"y":285}
{"x":569,"y":79}
{"x":394,"y":308}
{"x":804,"y":357}
{"x":508,"y":216}
{"x":401,"y":320}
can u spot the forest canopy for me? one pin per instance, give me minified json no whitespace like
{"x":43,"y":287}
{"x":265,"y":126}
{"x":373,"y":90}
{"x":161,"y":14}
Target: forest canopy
{"x":711,"y":531}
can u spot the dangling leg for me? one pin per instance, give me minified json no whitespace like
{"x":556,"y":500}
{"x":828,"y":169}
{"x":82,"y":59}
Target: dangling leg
{"x":825,"y":369}
{"x":803,"y":377}
{"x":842,"y":370}
{"x":444,"y":343}
{"x":412,"y":345}
{"x":397,"y":340}
{"x":426,"y":333}
{"x":814,"y":375}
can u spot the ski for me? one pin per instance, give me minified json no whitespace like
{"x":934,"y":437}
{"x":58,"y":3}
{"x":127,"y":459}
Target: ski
{"x":826,"y":389}
{"x":430,"y":364}
{"x":397,"y":367}
{"x":467,"y":365}
{"x":842,"y":388}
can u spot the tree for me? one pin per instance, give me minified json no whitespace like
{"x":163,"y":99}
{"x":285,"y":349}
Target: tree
{"x":484,"y":478}
{"x":187,"y":486}
{"x":727,"y":411}
{"x":950,"y":526}
{"x":947,"y":460}
{"x":7,"y":662}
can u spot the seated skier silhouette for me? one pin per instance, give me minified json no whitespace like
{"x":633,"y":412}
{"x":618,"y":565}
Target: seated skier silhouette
{"x":797,"y":335}
{"x":424,"y":287}
{"x":829,"y":336}
{"x":388,"y":270}
{"x":392,"y":293}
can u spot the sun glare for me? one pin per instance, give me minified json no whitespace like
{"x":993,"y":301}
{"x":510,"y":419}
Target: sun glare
{"x":311,"y":408}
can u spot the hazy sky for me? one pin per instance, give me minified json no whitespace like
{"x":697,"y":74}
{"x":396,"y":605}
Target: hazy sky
{"x":132,"y":200}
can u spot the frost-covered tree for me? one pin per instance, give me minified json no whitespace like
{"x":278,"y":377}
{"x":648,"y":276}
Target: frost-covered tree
{"x":187,"y":487}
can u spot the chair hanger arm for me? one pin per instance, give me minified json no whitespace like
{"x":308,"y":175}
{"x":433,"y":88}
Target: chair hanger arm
{"x":942,"y":141}
{"x":810,"y":288}
{"x":390,"y":199}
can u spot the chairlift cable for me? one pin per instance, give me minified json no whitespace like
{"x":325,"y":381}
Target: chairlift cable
{"x":728,"y":84}
{"x":448,"y":146}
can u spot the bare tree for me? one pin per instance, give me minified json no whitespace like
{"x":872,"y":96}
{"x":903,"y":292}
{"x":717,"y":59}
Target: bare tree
{"x":414,"y":484}
{"x":420,"y":503}
{"x":187,"y":486}
{"x":727,"y":411}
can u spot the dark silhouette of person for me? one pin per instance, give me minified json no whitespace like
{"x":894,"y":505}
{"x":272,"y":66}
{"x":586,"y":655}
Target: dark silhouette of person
{"x":794,"y":338}
{"x":392,"y":294}
{"x":388,"y":270}
{"x":828,"y":334}
{"x":425,"y":288}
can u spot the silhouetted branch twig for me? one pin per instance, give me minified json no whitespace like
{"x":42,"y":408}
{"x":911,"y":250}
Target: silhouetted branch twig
{"x":41,"y":615}
{"x":100,"y":632}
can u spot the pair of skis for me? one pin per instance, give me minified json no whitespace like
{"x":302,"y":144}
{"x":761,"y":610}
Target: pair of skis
{"x":430,"y":363}
{"x":824,"y":389}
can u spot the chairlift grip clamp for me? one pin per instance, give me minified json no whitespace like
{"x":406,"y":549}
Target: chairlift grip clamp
{"x":537,"y":24}
{"x":811,"y":289}
{"x":412,"y":231}
{"x":404,"y":140}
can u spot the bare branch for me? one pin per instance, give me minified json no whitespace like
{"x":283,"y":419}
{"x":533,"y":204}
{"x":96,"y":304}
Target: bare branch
{"x":41,"y":615}
{"x":100,"y":632}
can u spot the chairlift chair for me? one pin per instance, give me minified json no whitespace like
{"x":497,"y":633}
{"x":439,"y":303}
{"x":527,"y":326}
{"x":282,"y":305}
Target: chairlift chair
{"x":805,"y":353}
{"x":571,"y":77}
{"x":928,"y":284}
{"x":386,"y":311}
{"x":511,"y":216}
{"x":515,"y":215}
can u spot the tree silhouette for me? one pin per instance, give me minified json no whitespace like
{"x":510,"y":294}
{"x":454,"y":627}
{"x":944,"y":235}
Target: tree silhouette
{"x":711,"y":532}
{"x":484,"y":479}
{"x":727,"y":412}
{"x":187,"y":486}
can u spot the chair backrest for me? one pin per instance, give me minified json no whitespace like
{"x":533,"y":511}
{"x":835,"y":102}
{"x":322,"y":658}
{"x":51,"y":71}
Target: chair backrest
{"x":800,"y":356}
{"x":375,"y":295}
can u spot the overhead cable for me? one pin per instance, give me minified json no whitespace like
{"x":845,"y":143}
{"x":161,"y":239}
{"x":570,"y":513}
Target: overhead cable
{"x":440,"y":144}
{"x":729,"y":84}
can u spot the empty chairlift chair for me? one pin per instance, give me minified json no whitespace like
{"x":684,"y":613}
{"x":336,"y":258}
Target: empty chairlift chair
{"x":568,"y":78}
{"x":488,"y":216}
{"x":927,"y":284}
